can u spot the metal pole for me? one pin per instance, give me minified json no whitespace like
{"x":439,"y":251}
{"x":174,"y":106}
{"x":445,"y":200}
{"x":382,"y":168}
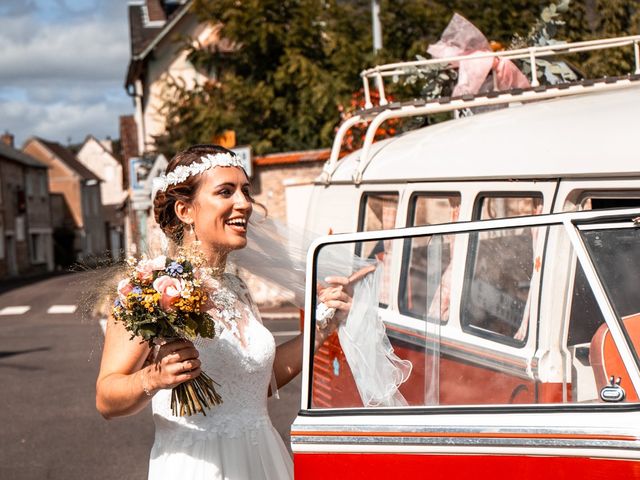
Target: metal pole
{"x":377,"y":26}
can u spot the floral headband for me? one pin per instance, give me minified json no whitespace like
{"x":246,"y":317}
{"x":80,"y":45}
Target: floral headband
{"x":182,"y":172}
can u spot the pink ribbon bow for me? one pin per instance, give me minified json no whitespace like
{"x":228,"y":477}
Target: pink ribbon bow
{"x":461,"y":37}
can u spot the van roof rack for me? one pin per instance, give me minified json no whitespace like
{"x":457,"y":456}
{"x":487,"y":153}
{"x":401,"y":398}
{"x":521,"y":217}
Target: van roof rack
{"x":375,"y":115}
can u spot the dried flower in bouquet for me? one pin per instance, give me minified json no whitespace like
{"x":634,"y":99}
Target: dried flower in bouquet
{"x":163,"y":298}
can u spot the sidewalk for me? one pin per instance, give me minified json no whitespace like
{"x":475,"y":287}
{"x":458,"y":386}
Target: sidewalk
{"x":11,"y":283}
{"x":285,"y":312}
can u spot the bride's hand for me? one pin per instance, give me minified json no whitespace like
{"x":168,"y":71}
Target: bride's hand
{"x":175,"y":363}
{"x":337,"y":295}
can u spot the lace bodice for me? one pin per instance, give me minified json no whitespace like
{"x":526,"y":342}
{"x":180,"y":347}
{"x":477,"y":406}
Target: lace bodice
{"x":239,"y":359}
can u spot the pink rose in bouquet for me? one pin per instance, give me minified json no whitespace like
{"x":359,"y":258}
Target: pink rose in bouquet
{"x":170,"y":290}
{"x":146,"y":267}
{"x":124,"y":289}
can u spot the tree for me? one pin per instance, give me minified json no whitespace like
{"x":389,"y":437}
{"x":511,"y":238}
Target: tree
{"x":593,"y":19}
{"x":296,"y":63}
{"x":293,"y":64}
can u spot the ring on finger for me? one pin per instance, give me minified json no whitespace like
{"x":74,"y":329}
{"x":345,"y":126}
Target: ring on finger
{"x":324,"y":314}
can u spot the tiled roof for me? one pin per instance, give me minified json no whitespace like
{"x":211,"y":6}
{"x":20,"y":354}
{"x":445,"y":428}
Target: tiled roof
{"x":100,"y":144}
{"x":140,"y":36}
{"x":69,"y":159}
{"x":142,"y":33}
{"x":17,"y":156}
{"x":293,"y":157}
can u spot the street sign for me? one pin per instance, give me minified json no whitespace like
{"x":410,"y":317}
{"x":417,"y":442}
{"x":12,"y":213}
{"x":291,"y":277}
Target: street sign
{"x":244,"y":154}
{"x":137,"y":173}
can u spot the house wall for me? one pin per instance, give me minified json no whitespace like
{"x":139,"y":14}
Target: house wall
{"x":37,"y":194}
{"x":61,"y":180}
{"x":94,"y":243}
{"x":3,"y":248}
{"x":94,"y":156}
{"x":168,"y":61}
{"x":39,"y":221}
{"x":19,"y":222}
{"x":16,"y":252}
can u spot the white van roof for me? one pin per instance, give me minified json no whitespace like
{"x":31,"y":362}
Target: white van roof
{"x":595,"y":134}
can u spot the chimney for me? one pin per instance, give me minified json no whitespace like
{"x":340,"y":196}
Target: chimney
{"x":128,"y":143}
{"x":7,"y":139}
{"x":155,"y":11}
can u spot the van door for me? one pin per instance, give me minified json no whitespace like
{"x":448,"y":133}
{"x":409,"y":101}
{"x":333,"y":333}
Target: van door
{"x":547,"y":401}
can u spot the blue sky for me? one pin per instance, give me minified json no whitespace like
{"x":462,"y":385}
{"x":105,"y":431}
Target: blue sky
{"x":62,"y":68}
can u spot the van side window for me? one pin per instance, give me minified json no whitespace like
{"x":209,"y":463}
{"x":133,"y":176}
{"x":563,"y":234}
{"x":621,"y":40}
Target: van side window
{"x":378,"y":212}
{"x":500,"y":271}
{"x":413,"y":297}
{"x":599,"y":203}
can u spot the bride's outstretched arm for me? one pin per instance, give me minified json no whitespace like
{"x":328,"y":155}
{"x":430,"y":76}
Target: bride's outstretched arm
{"x":127,"y":382}
{"x":288,"y":362}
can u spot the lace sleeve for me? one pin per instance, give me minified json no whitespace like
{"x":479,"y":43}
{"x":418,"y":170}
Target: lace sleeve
{"x":244,"y":295}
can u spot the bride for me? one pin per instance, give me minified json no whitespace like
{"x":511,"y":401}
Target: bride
{"x":205,"y":197}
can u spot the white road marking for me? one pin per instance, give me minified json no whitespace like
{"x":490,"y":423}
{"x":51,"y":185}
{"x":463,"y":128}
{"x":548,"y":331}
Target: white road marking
{"x":62,"y":309}
{"x":286,"y":333}
{"x":103,"y":325}
{"x":17,"y":310}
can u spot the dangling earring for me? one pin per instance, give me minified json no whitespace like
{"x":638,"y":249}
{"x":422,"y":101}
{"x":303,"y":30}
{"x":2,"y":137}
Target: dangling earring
{"x":193,"y":232}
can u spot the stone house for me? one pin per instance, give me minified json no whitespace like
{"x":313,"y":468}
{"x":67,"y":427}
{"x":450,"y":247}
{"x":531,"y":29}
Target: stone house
{"x":79,"y":223}
{"x":99,"y":157}
{"x":26,"y":243}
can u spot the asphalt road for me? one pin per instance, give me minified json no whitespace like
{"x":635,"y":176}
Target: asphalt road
{"x":49,"y":360}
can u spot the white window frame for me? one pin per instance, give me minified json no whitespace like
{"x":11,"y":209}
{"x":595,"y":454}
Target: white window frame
{"x":571,"y":223}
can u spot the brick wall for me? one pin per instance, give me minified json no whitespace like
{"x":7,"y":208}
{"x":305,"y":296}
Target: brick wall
{"x":273,"y":172}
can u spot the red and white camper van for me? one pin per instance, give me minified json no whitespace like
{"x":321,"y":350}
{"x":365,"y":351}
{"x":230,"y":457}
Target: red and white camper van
{"x":510,"y":248}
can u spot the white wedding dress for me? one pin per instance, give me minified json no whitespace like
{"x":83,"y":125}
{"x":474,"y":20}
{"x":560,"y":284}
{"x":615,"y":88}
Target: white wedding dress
{"x":235,"y":440}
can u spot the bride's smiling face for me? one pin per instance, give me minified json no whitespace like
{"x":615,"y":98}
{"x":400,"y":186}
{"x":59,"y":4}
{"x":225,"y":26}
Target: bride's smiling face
{"x":222,"y":207}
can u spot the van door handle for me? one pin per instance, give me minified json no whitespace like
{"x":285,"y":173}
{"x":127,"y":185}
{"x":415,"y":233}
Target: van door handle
{"x":613,"y":392}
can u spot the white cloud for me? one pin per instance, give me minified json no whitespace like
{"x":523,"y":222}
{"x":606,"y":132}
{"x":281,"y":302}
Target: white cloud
{"x":62,"y":68}
{"x":63,"y":121}
{"x":92,"y":50}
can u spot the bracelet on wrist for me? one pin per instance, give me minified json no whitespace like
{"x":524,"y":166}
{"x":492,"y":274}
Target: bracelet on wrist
{"x":143,"y":382}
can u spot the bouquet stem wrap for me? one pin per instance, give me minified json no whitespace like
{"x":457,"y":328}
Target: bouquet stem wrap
{"x":194,"y":396}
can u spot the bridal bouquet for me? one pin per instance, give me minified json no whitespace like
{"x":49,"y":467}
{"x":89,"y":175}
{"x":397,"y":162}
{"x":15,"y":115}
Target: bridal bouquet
{"x":162,"y":298}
